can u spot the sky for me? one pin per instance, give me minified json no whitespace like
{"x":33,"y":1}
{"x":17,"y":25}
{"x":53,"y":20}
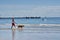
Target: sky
{"x":20,"y":8}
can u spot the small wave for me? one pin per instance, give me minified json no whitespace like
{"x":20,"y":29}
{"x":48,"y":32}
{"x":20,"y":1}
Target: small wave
{"x":32,"y":24}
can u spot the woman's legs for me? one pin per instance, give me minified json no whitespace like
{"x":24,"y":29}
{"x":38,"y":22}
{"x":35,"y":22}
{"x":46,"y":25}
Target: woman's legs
{"x":13,"y":25}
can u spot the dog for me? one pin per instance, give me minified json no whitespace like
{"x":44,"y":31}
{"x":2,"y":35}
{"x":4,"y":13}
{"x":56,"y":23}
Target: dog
{"x":20,"y":26}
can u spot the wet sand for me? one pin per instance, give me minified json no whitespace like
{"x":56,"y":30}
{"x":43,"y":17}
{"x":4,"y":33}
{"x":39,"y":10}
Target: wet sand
{"x":30,"y":33}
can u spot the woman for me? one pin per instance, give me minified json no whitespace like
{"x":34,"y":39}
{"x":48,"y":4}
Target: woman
{"x":13,"y":23}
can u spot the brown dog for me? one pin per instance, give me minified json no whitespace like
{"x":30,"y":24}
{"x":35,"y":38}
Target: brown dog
{"x":20,"y":26}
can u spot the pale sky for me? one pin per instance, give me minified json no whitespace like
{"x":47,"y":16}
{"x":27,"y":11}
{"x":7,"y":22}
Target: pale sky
{"x":49,"y":8}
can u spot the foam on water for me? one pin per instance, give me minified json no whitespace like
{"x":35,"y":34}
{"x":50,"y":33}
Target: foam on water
{"x":32,"y":24}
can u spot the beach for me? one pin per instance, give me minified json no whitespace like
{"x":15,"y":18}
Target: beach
{"x":34,"y":29}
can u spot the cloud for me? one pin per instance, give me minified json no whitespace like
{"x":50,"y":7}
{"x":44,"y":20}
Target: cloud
{"x":29,"y":10}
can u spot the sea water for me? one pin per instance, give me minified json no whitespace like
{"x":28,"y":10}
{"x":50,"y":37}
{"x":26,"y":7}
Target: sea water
{"x":31,"y":32}
{"x":48,"y":20}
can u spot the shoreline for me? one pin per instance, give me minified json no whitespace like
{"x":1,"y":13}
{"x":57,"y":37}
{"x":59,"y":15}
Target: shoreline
{"x":32,"y":24}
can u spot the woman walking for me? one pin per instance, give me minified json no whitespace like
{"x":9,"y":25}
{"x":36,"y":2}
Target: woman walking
{"x":13,"y":23}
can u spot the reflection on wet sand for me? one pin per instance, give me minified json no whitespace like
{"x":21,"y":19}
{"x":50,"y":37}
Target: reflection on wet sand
{"x":30,"y":33}
{"x":13,"y":32}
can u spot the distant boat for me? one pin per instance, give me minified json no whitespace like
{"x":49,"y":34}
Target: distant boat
{"x":44,"y":19}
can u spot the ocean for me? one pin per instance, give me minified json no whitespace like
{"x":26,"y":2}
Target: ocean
{"x":32,"y":29}
{"x":48,"y":20}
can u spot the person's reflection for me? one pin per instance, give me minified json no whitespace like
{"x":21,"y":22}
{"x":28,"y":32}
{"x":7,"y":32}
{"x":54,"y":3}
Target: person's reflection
{"x":13,"y":34}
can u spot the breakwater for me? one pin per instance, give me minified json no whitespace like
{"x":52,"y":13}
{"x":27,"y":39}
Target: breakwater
{"x":20,"y":17}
